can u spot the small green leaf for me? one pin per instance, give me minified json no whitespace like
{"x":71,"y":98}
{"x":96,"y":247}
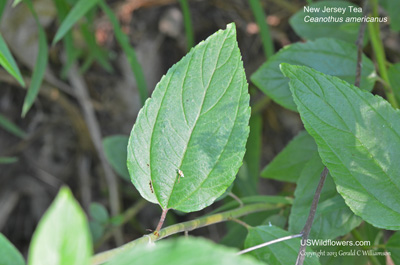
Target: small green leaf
{"x":8,"y":159}
{"x":62,"y":235}
{"x":76,"y":13}
{"x":116,"y":153}
{"x":329,"y":56}
{"x":8,"y":62}
{"x":182,"y":251}
{"x":338,"y":27}
{"x":96,"y":230}
{"x":11,"y":127}
{"x":9,"y":255}
{"x":98,"y":213}
{"x":358,"y":138}
{"x":281,"y":253}
{"x":333,"y":217}
{"x":393,"y":246}
{"x":288,"y":164}
{"x":40,"y":65}
{"x":195,"y":122}
{"x":394,"y":78}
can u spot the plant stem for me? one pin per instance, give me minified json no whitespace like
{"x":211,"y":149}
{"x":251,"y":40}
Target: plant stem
{"x":377,"y":46}
{"x":266,"y":39}
{"x":311,"y":215}
{"x":161,"y":222}
{"x":187,"y":21}
{"x":268,"y":243}
{"x":186,"y":226}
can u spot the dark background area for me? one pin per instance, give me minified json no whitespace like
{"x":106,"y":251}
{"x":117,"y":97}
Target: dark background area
{"x":58,"y":149}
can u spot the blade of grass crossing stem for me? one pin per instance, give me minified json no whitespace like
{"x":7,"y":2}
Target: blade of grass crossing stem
{"x":266,"y":39}
{"x":40,"y":66}
{"x":11,"y":127}
{"x":188,"y":24}
{"x":8,"y":62}
{"x":129,"y":51}
{"x":77,"y":12}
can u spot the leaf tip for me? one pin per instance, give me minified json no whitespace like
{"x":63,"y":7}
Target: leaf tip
{"x":285,"y":68}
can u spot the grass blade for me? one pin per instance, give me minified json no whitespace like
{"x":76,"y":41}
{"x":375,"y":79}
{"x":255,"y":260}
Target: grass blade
{"x":40,"y":66}
{"x":8,"y":62}
{"x":11,"y":127}
{"x":77,"y":12}
{"x":188,"y":24}
{"x":129,"y":51}
{"x":8,"y":159}
{"x":266,"y":39}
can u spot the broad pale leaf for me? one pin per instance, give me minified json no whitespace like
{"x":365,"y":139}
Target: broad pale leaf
{"x":116,"y":153}
{"x":305,"y":25}
{"x":196,"y":122}
{"x":358,"y":138}
{"x":62,"y":235}
{"x":281,"y":253}
{"x":9,"y":255}
{"x":329,"y":56}
{"x":8,"y":62}
{"x":182,"y":251}
{"x":76,"y":13}
{"x":288,"y":164}
{"x":333,"y":217}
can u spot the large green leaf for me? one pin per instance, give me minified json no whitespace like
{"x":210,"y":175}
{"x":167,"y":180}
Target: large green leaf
{"x":333,"y":217}
{"x":281,"y":253}
{"x":182,"y":251}
{"x":76,"y":13}
{"x":8,"y":62}
{"x":116,"y":153}
{"x":330,"y":56}
{"x":195,"y":122}
{"x":358,"y":138}
{"x":393,"y":246}
{"x":288,"y":164}
{"x":9,"y":255}
{"x":307,"y":22}
{"x":62,"y":236}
